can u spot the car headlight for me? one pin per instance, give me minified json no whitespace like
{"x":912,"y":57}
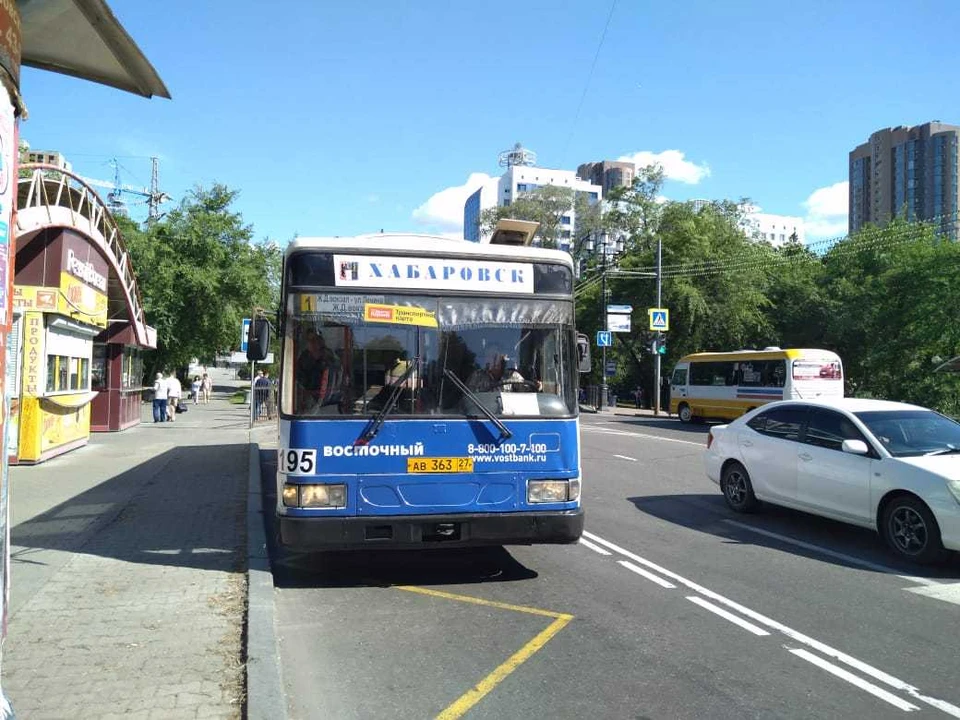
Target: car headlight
{"x":954,"y":487}
{"x":552,"y":491}
{"x":315,"y":496}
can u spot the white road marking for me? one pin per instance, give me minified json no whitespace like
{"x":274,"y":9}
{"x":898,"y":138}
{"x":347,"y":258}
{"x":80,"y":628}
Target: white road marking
{"x":595,"y":548}
{"x":854,"y":680}
{"x":833,"y":553}
{"x":648,"y":575}
{"x":605,"y":431}
{"x":823,"y":648}
{"x":625,"y":457}
{"x":948,"y":592}
{"x":727,"y":615}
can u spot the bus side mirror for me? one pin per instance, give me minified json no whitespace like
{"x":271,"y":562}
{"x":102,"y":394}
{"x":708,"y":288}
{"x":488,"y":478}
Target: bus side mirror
{"x":583,"y":353}
{"x":258,"y":342}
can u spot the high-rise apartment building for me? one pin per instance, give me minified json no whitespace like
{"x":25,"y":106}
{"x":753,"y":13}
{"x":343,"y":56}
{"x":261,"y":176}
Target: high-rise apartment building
{"x":906,"y":171}
{"x":608,"y":174}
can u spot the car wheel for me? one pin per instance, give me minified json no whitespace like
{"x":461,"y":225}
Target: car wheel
{"x":910,"y":530}
{"x":685,"y":413}
{"x":737,"y":489}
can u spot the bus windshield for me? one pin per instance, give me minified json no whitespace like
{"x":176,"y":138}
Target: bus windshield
{"x":353,"y":351}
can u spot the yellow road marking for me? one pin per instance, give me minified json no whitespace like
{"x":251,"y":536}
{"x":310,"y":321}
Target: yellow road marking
{"x":475,"y":694}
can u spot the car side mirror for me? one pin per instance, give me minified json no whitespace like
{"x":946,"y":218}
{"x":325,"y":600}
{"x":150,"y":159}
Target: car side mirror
{"x":258,"y":341}
{"x":583,"y":353}
{"x":855,"y":447}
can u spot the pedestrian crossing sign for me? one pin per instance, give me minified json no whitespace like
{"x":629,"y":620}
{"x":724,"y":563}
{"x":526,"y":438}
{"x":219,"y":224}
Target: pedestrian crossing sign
{"x":659,"y":319}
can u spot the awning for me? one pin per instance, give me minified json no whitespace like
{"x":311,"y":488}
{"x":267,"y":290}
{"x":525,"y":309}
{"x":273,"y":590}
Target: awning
{"x":84,"y":39}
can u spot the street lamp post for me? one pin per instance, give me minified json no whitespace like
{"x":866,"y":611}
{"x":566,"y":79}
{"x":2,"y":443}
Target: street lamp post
{"x":609,"y":249}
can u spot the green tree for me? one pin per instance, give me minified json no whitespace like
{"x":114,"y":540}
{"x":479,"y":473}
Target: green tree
{"x":547,"y":205}
{"x":890,"y":296}
{"x":200,"y":273}
{"x":634,"y":212}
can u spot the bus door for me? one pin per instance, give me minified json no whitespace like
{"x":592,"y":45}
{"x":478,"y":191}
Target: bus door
{"x":678,"y":386}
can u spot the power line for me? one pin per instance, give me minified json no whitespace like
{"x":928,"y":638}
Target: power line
{"x":586,"y":87}
{"x":755,"y":258}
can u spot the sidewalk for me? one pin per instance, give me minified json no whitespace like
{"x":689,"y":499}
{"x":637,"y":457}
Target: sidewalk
{"x":127,"y":571}
{"x":629,"y":412}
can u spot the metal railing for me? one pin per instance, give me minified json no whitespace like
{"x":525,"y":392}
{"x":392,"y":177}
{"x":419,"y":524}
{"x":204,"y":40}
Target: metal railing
{"x":263,"y":402}
{"x":49,"y":196}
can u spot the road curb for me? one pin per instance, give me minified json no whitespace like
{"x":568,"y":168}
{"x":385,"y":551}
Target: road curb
{"x":265,"y":697}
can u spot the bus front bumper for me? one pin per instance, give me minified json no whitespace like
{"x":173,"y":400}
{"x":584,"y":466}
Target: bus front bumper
{"x":404,"y":531}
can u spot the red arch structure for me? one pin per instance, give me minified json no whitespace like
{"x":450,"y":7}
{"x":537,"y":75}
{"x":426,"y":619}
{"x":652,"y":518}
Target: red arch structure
{"x":50,"y":198}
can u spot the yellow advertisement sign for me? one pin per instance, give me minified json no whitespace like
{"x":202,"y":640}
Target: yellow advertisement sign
{"x":32,"y":353}
{"x":62,"y":425}
{"x":73,"y":299}
{"x":27,"y":297}
{"x":82,"y":302}
{"x":399,"y":315}
{"x":45,"y":426}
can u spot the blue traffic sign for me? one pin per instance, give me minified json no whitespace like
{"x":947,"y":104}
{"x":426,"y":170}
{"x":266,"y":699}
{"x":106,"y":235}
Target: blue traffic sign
{"x":659,"y":319}
{"x":244,"y":333}
{"x":604,"y":338}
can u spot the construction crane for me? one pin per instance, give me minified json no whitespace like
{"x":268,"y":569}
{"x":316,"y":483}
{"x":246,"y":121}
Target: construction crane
{"x":153,"y":196}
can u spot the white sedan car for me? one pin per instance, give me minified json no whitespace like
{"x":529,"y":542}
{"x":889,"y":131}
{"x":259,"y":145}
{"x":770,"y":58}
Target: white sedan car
{"x":883,"y":465}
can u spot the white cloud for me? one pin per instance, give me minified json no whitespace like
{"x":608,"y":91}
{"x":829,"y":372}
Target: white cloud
{"x":675,"y":165}
{"x":827,"y":210}
{"x":443,"y":211}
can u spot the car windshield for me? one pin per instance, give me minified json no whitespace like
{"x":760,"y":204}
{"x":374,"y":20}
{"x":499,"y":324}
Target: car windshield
{"x":906,"y":433}
{"x":516,"y":357}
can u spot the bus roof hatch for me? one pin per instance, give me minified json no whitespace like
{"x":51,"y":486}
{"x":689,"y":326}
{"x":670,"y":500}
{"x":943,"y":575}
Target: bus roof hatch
{"x":514,"y":232}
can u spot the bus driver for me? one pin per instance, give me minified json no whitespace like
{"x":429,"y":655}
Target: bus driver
{"x":495,"y":375}
{"x":315,"y":366}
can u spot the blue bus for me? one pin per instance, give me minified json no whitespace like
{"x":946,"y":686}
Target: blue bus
{"x":428,"y":394}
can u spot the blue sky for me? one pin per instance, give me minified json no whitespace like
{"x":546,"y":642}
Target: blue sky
{"x":343,"y":118}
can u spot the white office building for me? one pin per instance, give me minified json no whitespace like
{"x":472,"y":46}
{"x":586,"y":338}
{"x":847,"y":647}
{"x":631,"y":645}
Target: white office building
{"x":522,"y":178}
{"x":775,"y":229}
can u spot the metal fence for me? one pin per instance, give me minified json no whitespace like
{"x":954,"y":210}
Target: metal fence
{"x":263,"y":401}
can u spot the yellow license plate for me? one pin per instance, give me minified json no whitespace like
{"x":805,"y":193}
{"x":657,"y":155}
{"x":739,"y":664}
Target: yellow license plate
{"x":439,"y":465}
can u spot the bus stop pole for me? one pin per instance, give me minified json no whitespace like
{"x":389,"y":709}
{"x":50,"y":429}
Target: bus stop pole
{"x":656,"y":359}
{"x":253,"y":403}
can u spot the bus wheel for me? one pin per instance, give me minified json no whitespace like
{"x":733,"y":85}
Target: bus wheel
{"x":685,"y":413}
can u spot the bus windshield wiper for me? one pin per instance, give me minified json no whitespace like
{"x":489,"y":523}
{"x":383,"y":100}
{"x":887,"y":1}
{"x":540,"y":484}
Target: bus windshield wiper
{"x":376,"y":422}
{"x":504,"y":430}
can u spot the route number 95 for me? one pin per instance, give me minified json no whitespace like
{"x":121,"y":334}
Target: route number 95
{"x":298,"y":462}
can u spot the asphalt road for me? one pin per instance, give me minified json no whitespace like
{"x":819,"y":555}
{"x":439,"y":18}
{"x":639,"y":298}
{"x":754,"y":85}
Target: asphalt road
{"x":671,"y":607}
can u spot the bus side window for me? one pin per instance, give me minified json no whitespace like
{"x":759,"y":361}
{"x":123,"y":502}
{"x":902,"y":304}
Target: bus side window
{"x":776,"y":373}
{"x":679,"y":376}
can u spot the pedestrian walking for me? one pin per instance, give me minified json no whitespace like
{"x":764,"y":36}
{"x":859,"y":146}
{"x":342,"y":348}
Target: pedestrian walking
{"x":206,"y":386}
{"x":195,"y":389}
{"x":160,"y":392}
{"x":173,"y":396}
{"x":261,"y":386}
{"x":638,"y":396}
{"x":271,"y":389}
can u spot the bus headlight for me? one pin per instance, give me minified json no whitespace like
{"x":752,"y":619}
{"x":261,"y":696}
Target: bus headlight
{"x":326,"y":496}
{"x":552,"y":491}
{"x":315,"y":496}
